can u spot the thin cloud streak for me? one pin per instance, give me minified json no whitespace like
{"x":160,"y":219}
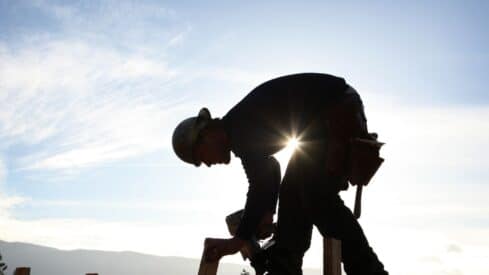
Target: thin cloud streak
{"x":176,"y":205}
{"x":79,"y":99}
{"x":90,"y":105}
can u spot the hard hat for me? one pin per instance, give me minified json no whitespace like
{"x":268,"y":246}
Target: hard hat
{"x":186,"y":134}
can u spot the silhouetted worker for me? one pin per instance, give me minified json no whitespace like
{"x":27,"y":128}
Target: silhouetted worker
{"x":324,"y":113}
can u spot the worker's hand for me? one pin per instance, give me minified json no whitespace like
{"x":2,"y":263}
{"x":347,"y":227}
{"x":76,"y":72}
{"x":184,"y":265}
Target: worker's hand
{"x":266,"y":227}
{"x":215,"y":249}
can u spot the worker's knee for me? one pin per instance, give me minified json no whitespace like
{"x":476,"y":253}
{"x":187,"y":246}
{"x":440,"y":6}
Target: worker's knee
{"x":324,"y":202}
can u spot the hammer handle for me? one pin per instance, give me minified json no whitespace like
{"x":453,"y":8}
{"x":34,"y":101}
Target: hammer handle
{"x":357,"y":211}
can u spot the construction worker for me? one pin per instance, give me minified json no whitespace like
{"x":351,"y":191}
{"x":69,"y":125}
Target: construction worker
{"x":324,"y":113}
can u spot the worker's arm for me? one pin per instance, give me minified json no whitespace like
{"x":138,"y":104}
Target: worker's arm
{"x":215,"y":248}
{"x":264,"y":183}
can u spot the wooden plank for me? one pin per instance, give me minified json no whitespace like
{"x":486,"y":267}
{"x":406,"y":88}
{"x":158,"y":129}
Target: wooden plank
{"x":331,"y":256}
{"x":22,"y":271}
{"x":207,"y":268}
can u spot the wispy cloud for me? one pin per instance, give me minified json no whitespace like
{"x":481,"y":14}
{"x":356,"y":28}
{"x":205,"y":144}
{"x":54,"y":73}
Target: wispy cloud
{"x":114,"y":22}
{"x":90,"y":92}
{"x":89,"y":104}
{"x":453,"y":138}
{"x":3,"y":171}
{"x":7,"y":202}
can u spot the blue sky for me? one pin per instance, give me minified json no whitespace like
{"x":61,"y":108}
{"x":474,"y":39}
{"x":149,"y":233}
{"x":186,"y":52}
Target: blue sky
{"x":90,"y":93}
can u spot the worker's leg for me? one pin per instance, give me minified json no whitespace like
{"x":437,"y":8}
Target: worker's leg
{"x":294,"y":226}
{"x":334,"y":219}
{"x":346,"y":120}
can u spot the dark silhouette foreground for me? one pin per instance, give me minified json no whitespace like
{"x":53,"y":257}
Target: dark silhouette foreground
{"x":327,"y":117}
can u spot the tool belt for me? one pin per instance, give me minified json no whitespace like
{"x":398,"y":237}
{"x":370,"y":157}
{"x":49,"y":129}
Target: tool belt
{"x":350,"y":141}
{"x":364,"y":160}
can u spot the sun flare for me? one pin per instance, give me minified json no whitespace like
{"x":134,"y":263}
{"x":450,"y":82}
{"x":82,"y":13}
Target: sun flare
{"x":283,"y":157}
{"x":292,"y":143}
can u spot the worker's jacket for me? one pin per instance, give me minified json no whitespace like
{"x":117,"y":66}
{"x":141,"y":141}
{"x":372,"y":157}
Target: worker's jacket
{"x":260,"y":125}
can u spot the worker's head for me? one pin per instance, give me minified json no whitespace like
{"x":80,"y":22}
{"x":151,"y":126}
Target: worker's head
{"x":201,"y":139}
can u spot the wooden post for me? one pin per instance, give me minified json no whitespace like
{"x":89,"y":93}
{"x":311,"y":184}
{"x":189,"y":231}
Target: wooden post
{"x":331,"y":256}
{"x":332,"y":247}
{"x":207,"y":268}
{"x":22,"y":271}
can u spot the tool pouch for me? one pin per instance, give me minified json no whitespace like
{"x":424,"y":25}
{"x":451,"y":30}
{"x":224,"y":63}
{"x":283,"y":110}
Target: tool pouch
{"x":364,"y":160}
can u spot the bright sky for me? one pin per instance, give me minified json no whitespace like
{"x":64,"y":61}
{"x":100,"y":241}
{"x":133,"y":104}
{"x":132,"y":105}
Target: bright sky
{"x":90,"y":94}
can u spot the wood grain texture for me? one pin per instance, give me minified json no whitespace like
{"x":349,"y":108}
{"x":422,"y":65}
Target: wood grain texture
{"x":207,"y":268}
{"x":22,"y":271}
{"x":332,"y":256}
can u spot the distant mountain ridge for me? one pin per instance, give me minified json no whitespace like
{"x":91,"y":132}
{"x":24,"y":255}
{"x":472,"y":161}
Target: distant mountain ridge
{"x":50,"y":261}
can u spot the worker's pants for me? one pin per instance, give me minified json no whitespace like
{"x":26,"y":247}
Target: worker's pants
{"x":333,"y":219}
{"x":308,"y":197}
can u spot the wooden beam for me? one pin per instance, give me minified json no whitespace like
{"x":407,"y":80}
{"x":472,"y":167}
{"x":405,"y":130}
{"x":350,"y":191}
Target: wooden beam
{"x":22,"y":271}
{"x":207,"y":268}
{"x":331,"y":256}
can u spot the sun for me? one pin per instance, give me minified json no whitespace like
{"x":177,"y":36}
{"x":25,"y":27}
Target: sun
{"x":293,"y":143}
